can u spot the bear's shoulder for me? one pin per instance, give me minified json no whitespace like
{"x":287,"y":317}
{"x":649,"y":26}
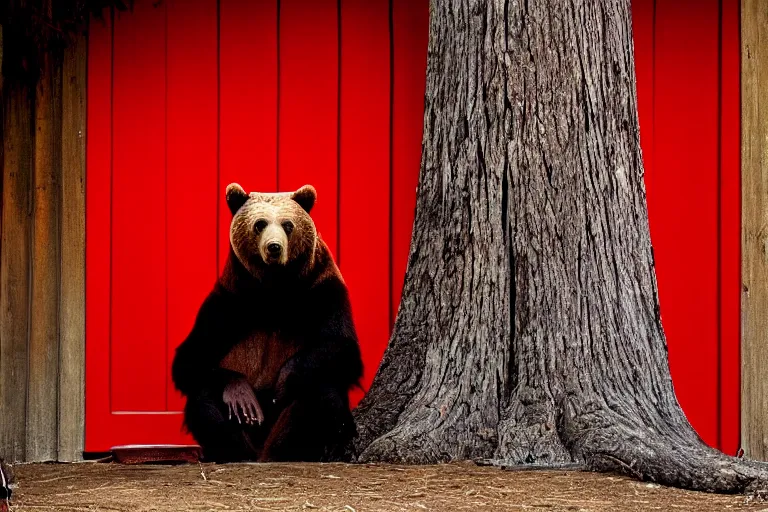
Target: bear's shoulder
{"x":325,"y":269}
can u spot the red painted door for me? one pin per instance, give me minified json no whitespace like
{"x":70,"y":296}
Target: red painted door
{"x":191,"y":95}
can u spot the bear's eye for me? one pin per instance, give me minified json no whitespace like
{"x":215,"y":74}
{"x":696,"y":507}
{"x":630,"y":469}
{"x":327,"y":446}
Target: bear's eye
{"x":260,"y":226}
{"x":288,"y":227}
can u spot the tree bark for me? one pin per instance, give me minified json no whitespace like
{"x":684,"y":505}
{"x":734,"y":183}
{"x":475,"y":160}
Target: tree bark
{"x":529,"y":330}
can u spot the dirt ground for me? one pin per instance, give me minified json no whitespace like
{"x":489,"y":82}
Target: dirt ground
{"x":342,"y":487}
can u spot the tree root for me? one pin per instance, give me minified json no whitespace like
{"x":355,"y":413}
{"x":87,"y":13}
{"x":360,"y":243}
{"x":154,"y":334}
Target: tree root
{"x":665,"y":450}
{"x":509,"y":465}
{"x":675,"y":456}
{"x":698,"y":469}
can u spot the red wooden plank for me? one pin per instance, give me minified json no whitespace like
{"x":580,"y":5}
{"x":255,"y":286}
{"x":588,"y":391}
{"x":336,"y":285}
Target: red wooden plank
{"x":192,"y":163}
{"x":410,"y":38}
{"x":365,"y":178}
{"x":139,"y":210}
{"x":248,"y":103}
{"x":683,"y":202}
{"x":308,"y":106}
{"x":642,"y":31}
{"x":730,"y":229}
{"x":97,"y":226}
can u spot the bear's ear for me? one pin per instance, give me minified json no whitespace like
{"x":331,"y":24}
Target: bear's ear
{"x":236,"y":197}
{"x":306,"y":197}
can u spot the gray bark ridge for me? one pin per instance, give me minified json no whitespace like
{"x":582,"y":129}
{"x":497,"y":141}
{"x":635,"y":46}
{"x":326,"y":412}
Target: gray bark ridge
{"x":529,"y":330}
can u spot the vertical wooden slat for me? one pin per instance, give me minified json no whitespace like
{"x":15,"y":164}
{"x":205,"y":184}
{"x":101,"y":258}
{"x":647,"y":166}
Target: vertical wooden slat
{"x":643,"y":16}
{"x":754,"y":164}
{"x":410,"y":37}
{"x":365,"y":179}
{"x":191,"y":174}
{"x":72,"y":311}
{"x":730,"y":222}
{"x":14,"y":267}
{"x":308,"y":106}
{"x":98,"y":235}
{"x":247,"y":103}
{"x":44,"y":329}
{"x":682,"y":202}
{"x":138,"y":196}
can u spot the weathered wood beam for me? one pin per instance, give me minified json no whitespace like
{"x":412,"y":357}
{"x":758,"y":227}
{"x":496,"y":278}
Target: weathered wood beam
{"x":754,"y":163}
{"x":14,"y":265}
{"x":72,"y":313}
{"x":43,"y":380}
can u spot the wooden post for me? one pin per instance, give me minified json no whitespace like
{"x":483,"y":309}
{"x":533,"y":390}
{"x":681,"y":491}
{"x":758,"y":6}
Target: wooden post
{"x":42,"y":251}
{"x":43,"y":360}
{"x":754,"y":155}
{"x":14,"y":266}
{"x":72,"y":313}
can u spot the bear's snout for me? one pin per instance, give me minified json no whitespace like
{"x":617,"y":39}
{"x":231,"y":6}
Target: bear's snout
{"x":273,"y":252}
{"x":274,"y":249}
{"x":273,"y":245}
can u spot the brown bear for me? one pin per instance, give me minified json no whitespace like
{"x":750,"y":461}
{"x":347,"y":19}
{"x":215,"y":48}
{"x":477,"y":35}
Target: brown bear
{"x":273,"y":353}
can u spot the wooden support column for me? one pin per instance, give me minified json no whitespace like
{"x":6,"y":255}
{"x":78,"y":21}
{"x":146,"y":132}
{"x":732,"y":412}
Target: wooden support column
{"x":72,"y":311}
{"x":754,"y":155}
{"x":43,"y":361}
{"x":14,"y":263}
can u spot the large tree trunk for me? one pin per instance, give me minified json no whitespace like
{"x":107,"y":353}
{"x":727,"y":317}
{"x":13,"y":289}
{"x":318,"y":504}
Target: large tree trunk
{"x":529,"y":330}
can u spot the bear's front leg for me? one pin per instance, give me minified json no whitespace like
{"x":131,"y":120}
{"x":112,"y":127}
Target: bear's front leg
{"x":221,"y":438}
{"x":312,"y":428}
{"x":241,"y":400}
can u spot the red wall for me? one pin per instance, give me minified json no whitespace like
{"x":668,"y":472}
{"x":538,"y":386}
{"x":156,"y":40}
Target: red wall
{"x":687,"y":62}
{"x":192,"y":95}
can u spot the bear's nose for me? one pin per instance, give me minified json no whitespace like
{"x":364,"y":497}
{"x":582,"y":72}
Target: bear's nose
{"x":274,"y":249}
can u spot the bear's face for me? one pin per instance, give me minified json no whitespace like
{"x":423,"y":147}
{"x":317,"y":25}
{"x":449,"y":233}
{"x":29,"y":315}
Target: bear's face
{"x":272,"y":230}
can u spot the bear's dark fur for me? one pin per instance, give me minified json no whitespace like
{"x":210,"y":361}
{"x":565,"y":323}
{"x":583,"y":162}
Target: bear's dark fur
{"x":6,"y":481}
{"x":283,"y":330}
